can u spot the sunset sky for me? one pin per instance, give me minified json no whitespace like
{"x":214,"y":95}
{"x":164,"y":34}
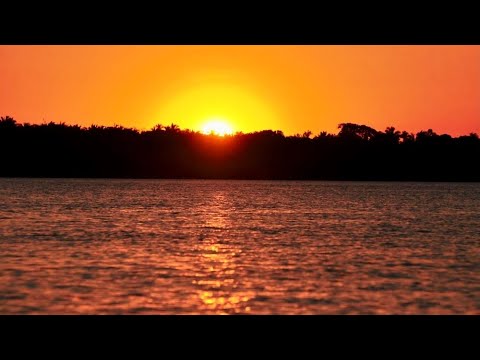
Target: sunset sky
{"x":288,"y":88}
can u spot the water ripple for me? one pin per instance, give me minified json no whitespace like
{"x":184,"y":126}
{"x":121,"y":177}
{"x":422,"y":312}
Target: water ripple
{"x":72,"y":246}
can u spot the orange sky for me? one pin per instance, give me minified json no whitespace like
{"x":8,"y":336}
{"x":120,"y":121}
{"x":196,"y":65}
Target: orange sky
{"x":289,"y":88}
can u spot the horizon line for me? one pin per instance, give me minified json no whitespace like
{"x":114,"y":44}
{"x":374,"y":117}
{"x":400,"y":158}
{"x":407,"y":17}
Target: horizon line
{"x":173,"y":125}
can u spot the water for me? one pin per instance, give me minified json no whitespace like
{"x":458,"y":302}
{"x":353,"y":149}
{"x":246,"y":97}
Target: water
{"x":70,"y":246}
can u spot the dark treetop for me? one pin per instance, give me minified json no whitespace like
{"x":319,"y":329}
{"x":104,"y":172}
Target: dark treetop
{"x":357,"y":152}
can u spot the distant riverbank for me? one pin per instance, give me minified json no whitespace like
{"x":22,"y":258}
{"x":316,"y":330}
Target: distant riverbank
{"x":357,"y":152}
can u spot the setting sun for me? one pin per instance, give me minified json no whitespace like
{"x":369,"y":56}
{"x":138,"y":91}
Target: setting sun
{"x":239,"y":179}
{"x":217,"y":127}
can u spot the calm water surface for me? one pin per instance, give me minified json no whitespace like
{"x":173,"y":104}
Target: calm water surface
{"x":72,"y":246}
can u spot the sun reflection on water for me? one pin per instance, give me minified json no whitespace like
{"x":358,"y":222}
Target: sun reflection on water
{"x":219,"y":285}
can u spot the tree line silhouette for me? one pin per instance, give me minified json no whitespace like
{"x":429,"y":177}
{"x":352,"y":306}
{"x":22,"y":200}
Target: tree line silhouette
{"x":357,"y":152}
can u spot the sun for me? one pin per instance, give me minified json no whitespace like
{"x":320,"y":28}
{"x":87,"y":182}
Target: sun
{"x":217,"y":127}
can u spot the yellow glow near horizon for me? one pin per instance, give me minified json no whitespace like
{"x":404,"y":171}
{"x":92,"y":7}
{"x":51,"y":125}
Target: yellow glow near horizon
{"x":293,"y":88}
{"x":217,"y":127}
{"x":219,"y":106}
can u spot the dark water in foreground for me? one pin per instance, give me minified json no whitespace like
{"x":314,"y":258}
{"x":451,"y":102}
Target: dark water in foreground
{"x":215,"y":247}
